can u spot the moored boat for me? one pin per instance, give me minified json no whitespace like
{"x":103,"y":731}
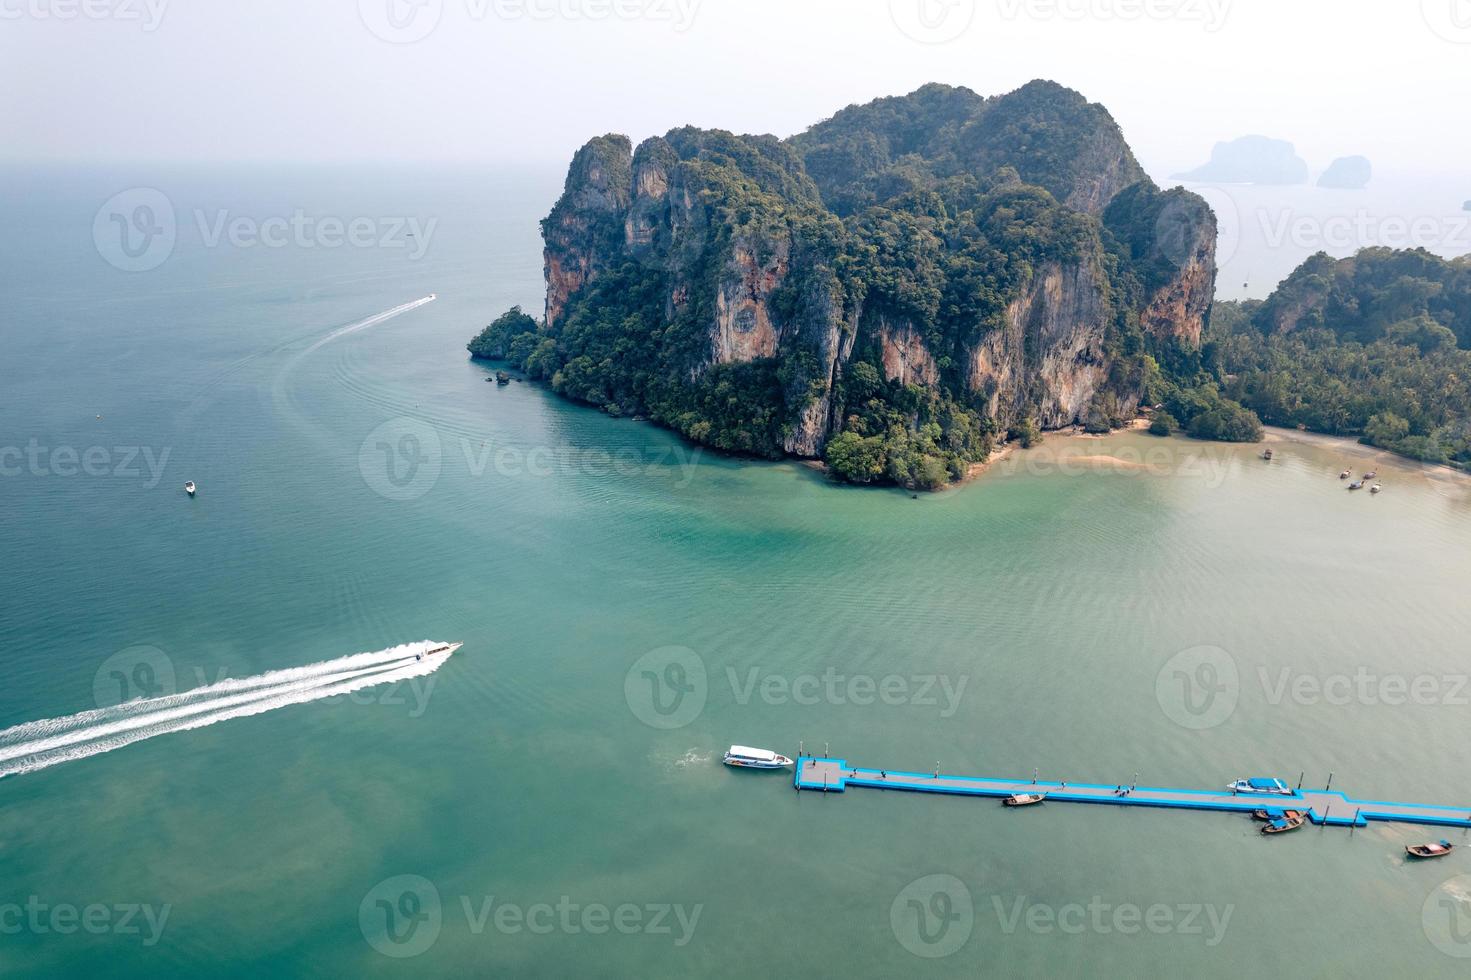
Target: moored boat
{"x":1429,"y":850}
{"x":1356,"y":485}
{"x":1024,"y":799}
{"x":1344,"y":475}
{"x":745,"y":757}
{"x":1265,"y":785}
{"x":1284,"y":823}
{"x":1376,"y":488}
{"x":1267,"y":455}
{"x":189,"y":488}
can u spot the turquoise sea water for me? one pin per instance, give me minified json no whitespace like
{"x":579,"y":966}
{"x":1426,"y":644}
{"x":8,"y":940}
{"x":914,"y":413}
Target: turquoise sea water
{"x":371,"y":489}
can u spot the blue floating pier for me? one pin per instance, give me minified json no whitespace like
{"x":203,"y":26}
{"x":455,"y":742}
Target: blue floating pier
{"x":1324,"y":807}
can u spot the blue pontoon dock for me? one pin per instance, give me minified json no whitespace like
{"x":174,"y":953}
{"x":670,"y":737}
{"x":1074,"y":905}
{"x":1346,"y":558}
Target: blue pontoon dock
{"x":1324,"y":807}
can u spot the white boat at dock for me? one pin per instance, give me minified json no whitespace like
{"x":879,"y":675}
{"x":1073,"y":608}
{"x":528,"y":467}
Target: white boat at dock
{"x":745,"y":757}
{"x":1263,"y":785}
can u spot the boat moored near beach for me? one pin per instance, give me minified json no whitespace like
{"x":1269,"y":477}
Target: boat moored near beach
{"x":1429,"y":850}
{"x":745,"y":757}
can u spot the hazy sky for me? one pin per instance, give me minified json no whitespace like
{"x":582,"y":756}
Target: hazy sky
{"x":529,"y":80}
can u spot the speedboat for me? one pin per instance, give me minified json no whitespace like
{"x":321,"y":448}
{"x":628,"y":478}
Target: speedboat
{"x":434,"y":296}
{"x":745,"y":757}
{"x":189,"y":488}
{"x":1376,"y":488}
{"x":1261,"y":785}
{"x":1429,"y":850}
{"x":440,"y":651}
{"x":1024,"y":799}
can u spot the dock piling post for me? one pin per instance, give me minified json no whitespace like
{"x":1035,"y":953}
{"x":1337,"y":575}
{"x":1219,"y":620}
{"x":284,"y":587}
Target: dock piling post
{"x":1330,"y":783}
{"x":800,"y":753}
{"x":937,"y":770}
{"x":1034,"y":776}
{"x":1300,"y":778}
{"x":825,"y":754}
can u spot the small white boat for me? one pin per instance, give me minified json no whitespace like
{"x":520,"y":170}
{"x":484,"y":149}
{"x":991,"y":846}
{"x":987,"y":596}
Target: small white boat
{"x":1356,"y":485}
{"x":1376,"y":488}
{"x":189,"y":488}
{"x":439,"y":651}
{"x":1024,"y":799}
{"x":1344,"y":475}
{"x":1261,"y":785}
{"x":745,"y":757}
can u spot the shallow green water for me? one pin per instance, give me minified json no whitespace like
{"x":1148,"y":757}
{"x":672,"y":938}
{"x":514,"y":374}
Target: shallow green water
{"x":1026,"y":620}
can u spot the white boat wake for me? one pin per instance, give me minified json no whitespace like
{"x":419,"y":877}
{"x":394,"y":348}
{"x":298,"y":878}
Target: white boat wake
{"x":373,"y":320}
{"x":50,"y":741}
{"x":208,"y":392}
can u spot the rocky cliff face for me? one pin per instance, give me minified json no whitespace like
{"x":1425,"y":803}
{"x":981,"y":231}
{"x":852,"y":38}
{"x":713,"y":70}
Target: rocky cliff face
{"x":966,"y":288}
{"x":579,"y":233}
{"x":1049,"y":357}
{"x":1170,"y":237}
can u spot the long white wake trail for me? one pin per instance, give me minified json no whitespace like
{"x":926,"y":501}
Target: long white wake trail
{"x":48,"y":742}
{"x":364,"y":324}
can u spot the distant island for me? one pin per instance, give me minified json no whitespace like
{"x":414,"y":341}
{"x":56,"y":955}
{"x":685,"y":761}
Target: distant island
{"x":906,"y":285}
{"x":1347,"y":173}
{"x":1251,"y":160}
